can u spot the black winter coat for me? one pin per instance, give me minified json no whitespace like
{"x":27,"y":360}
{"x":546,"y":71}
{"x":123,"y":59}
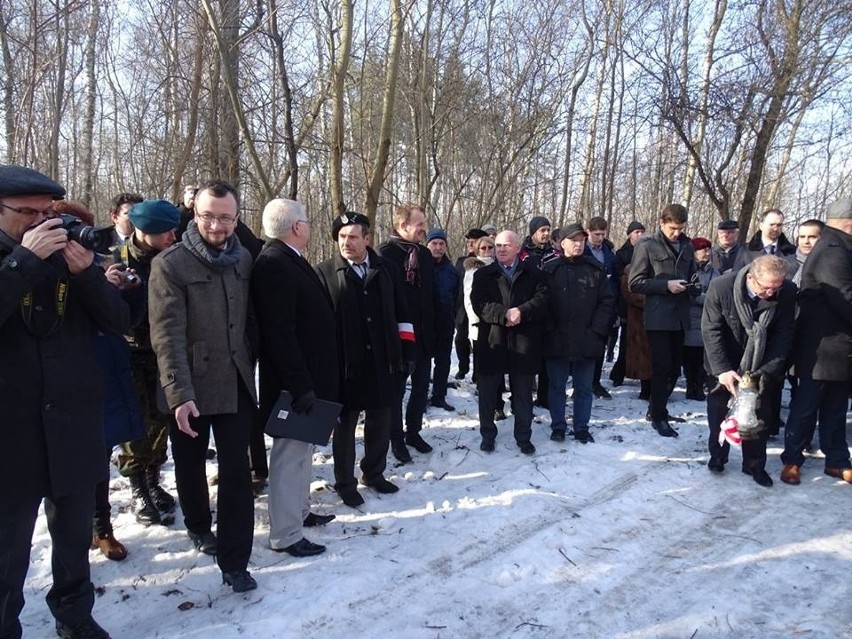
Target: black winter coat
{"x":581,"y":305}
{"x":824,"y":327}
{"x":500,"y":348}
{"x":421,"y":296}
{"x":448,"y":286}
{"x":725,"y":338}
{"x":654,"y":265}
{"x":296,"y":327}
{"x":51,"y":387}
{"x":368,"y":314}
{"x":754,"y":249}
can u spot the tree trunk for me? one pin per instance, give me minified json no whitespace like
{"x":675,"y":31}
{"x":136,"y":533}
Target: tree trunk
{"x":91,"y":95}
{"x":341,"y":67}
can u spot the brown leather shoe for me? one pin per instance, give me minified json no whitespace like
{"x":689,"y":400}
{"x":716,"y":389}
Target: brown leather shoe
{"x":790,"y":475}
{"x":109,"y":546}
{"x":840,"y":473}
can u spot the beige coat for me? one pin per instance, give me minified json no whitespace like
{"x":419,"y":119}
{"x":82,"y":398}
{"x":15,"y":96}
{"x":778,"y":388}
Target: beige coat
{"x":199,"y":314}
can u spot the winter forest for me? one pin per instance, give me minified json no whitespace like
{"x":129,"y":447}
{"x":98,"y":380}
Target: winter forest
{"x":481,"y":110}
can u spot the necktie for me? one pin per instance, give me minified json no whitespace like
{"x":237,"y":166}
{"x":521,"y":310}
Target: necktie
{"x":361,"y":270}
{"x":771,"y":249}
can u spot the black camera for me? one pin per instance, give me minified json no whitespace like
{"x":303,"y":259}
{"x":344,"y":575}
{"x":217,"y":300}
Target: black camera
{"x":97,"y":239}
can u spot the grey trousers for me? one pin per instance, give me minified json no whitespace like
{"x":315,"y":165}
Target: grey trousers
{"x":289,"y":490}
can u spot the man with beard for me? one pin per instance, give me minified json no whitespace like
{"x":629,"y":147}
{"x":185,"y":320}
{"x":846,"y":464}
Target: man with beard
{"x":198,"y":308}
{"x":416,"y":268}
{"x":376,"y":343}
{"x":53,"y":300}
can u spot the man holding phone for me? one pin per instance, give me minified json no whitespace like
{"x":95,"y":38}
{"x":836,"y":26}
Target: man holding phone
{"x":663,"y":265}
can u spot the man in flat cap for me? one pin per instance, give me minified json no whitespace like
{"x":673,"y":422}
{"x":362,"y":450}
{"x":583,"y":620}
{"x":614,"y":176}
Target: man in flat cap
{"x":822,"y":350}
{"x":154,"y":223}
{"x":376,"y":344}
{"x":728,"y":247}
{"x":53,"y":300}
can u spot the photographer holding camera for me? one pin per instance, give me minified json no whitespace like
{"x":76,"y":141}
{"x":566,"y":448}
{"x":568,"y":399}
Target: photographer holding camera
{"x":53,"y":299}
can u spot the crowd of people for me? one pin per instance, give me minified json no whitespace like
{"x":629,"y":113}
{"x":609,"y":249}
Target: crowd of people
{"x":165,"y":329}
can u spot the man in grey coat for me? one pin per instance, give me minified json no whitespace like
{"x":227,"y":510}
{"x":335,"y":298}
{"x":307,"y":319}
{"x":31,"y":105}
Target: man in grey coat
{"x":199,"y":316}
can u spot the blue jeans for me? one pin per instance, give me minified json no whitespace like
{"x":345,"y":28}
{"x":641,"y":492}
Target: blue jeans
{"x":581,"y":372}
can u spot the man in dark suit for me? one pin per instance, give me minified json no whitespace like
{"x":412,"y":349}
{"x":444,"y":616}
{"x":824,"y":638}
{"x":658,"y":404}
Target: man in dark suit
{"x":415,"y":267}
{"x":747,"y":327}
{"x":510,"y":299}
{"x":119,"y":215}
{"x":375,"y":338}
{"x":823,"y":350}
{"x":298,"y":353}
{"x":662,"y":267}
{"x":53,"y":300}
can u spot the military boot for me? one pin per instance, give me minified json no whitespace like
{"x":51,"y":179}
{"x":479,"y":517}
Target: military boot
{"x":164,"y":502}
{"x":141,"y":503}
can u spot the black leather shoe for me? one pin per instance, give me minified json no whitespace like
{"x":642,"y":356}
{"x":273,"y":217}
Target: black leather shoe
{"x":487,"y":445}
{"x":302,"y":548}
{"x":664,"y":429}
{"x":351,"y":497}
{"x":400,"y":451}
{"x":205,"y":542}
{"x":761,"y":477}
{"x":669,"y":418}
{"x":716,"y":465}
{"x":441,"y":403}
{"x":527,"y":448}
{"x":600,"y":392}
{"x":460,"y":375}
{"x":557,"y":436}
{"x":584,"y":436}
{"x":499,"y":415}
{"x":417,"y":443}
{"x":313,"y":519}
{"x":239,"y":580}
{"x":86,"y":629}
{"x":381,"y":485}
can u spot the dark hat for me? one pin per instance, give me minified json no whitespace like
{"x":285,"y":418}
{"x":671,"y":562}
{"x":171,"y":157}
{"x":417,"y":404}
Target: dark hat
{"x":840,"y":210}
{"x":475,"y":234}
{"x":728,"y":225}
{"x":571,"y":230}
{"x":436,"y":234}
{"x":19,"y":180}
{"x":154,"y":216}
{"x":347,"y":219}
{"x":537,"y":222}
{"x":488,"y":227}
{"x":635,"y":225}
{"x":699,"y":243}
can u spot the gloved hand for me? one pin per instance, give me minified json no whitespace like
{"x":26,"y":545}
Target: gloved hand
{"x":304,"y":404}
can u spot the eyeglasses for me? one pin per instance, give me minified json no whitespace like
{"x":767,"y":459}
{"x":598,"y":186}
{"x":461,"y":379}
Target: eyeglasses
{"x":209,"y":218}
{"x":25,"y":210}
{"x":766,"y":290}
{"x":485,"y":249}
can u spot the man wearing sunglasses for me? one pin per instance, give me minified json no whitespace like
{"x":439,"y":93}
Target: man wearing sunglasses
{"x":53,"y":299}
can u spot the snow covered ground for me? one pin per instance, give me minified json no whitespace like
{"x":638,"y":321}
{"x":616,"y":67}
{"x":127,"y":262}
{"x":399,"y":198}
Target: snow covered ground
{"x":628,"y":537}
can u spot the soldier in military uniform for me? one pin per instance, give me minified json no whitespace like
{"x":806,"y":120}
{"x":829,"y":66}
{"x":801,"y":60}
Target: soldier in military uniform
{"x":140,"y":460}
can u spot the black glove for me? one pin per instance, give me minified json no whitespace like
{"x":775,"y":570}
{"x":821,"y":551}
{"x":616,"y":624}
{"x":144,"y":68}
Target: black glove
{"x":304,"y":404}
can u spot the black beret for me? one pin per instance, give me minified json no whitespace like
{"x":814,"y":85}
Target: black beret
{"x":154,"y":216}
{"x":347,"y":219}
{"x":728,"y":225}
{"x":19,"y":180}
{"x":475,"y":234}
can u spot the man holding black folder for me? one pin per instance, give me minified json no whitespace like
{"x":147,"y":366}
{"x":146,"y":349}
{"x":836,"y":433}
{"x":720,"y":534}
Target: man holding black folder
{"x":298,"y":353}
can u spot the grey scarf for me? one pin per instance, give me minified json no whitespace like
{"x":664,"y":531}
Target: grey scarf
{"x":229,"y":255}
{"x":756,"y":330}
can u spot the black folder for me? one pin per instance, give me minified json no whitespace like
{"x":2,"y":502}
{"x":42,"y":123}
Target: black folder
{"x":314,"y":427}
